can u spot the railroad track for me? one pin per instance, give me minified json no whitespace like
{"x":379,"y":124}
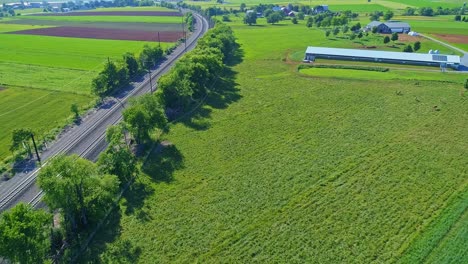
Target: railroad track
{"x":99,"y":126}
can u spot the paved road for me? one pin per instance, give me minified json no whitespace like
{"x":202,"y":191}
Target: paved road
{"x":464,"y":59}
{"x":87,"y":139}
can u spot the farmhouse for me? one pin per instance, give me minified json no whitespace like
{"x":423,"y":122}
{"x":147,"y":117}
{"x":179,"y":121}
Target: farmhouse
{"x":389,"y":27}
{"x":438,"y":60}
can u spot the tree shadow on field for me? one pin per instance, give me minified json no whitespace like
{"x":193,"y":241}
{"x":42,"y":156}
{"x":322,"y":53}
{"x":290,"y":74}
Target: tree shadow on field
{"x":162,"y":162}
{"x":135,"y":200}
{"x":222,"y":93}
{"x":108,"y":233}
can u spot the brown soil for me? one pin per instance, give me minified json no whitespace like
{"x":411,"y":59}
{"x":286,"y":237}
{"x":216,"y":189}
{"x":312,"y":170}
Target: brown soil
{"x":103,"y":33}
{"x":406,"y":38}
{"x":454,"y":38}
{"x":116,"y":13}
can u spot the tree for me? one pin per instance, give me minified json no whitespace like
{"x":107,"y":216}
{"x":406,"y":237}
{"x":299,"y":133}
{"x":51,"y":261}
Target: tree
{"x":20,"y":138}
{"x":408,"y":48}
{"x":267,"y":12}
{"x":466,"y":84}
{"x":386,"y":40}
{"x":336,"y":31}
{"x":73,"y":186}
{"x":310,"y":22}
{"x":143,"y":115}
{"x":226,"y":18}
{"x":426,"y":11}
{"x":24,"y":234}
{"x":99,"y":86}
{"x":388,"y":15}
{"x":345,"y":29}
{"x":274,"y":18}
{"x":294,"y":20}
{"x":458,"y":18}
{"x":75,"y":110}
{"x":360,"y":35}
{"x":300,"y":16}
{"x":107,"y":80}
{"x":352,"y":36}
{"x":131,"y":63}
{"x":417,"y":46}
{"x":250,"y":18}
{"x":327,"y":33}
{"x":117,"y":159}
{"x":374,"y":16}
{"x":150,"y":56}
{"x":394,"y":37}
{"x":409,"y":11}
{"x":374,"y":30}
{"x":242,"y":7}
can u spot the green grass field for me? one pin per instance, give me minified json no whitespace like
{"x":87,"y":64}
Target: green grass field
{"x":390,"y":75}
{"x":131,"y":19}
{"x":139,"y":8}
{"x":61,"y":68}
{"x":40,"y":110}
{"x":286,"y":168}
{"x":431,"y":3}
{"x":154,"y":27}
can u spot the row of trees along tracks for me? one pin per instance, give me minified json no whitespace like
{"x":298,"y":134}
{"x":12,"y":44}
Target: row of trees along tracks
{"x":98,"y":126}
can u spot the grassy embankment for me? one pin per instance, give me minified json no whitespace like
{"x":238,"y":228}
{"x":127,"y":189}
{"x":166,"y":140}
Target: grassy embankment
{"x":281,"y":167}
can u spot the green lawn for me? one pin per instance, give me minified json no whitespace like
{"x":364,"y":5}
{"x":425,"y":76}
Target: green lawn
{"x":49,"y":78}
{"x":431,"y":3}
{"x":146,"y":19}
{"x":73,"y":53}
{"x":154,"y":27}
{"x":359,"y":8}
{"x":390,"y":75}
{"x":40,"y":110}
{"x":139,"y":8}
{"x":285,"y":168}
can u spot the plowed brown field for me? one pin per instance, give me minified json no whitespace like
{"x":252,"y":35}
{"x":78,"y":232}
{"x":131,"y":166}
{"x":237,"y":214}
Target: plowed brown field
{"x":103,"y":33}
{"x":113,"y":13}
{"x":454,"y":38}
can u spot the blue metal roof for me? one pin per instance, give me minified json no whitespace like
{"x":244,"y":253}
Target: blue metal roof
{"x":404,"y":56}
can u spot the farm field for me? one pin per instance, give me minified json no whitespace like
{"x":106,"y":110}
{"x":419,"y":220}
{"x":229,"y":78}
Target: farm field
{"x":60,"y":68}
{"x":39,"y":109}
{"x":279,"y":167}
{"x":353,"y":5}
{"x":130,"y":19}
{"x":390,"y":75}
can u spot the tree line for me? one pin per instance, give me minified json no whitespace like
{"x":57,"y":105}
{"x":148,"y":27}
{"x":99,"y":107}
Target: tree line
{"x":429,"y":11}
{"x":80,"y":192}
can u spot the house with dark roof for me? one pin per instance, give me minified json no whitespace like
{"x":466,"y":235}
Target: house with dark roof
{"x":389,"y":27}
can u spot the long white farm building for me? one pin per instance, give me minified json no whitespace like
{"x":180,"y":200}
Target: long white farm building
{"x":438,"y":60}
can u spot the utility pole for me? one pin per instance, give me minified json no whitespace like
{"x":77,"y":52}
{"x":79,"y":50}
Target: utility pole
{"x":35,"y":148}
{"x":151,"y":81}
{"x":159,"y":40}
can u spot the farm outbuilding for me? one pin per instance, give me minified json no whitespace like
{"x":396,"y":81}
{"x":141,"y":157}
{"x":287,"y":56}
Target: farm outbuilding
{"x":438,"y":60}
{"x":389,"y":27}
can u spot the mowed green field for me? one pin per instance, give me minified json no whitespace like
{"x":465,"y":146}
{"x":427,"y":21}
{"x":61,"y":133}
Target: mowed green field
{"x":56,"y":69}
{"x":38,"y":109}
{"x":406,"y":74}
{"x":146,"y":19}
{"x":286,"y":168}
